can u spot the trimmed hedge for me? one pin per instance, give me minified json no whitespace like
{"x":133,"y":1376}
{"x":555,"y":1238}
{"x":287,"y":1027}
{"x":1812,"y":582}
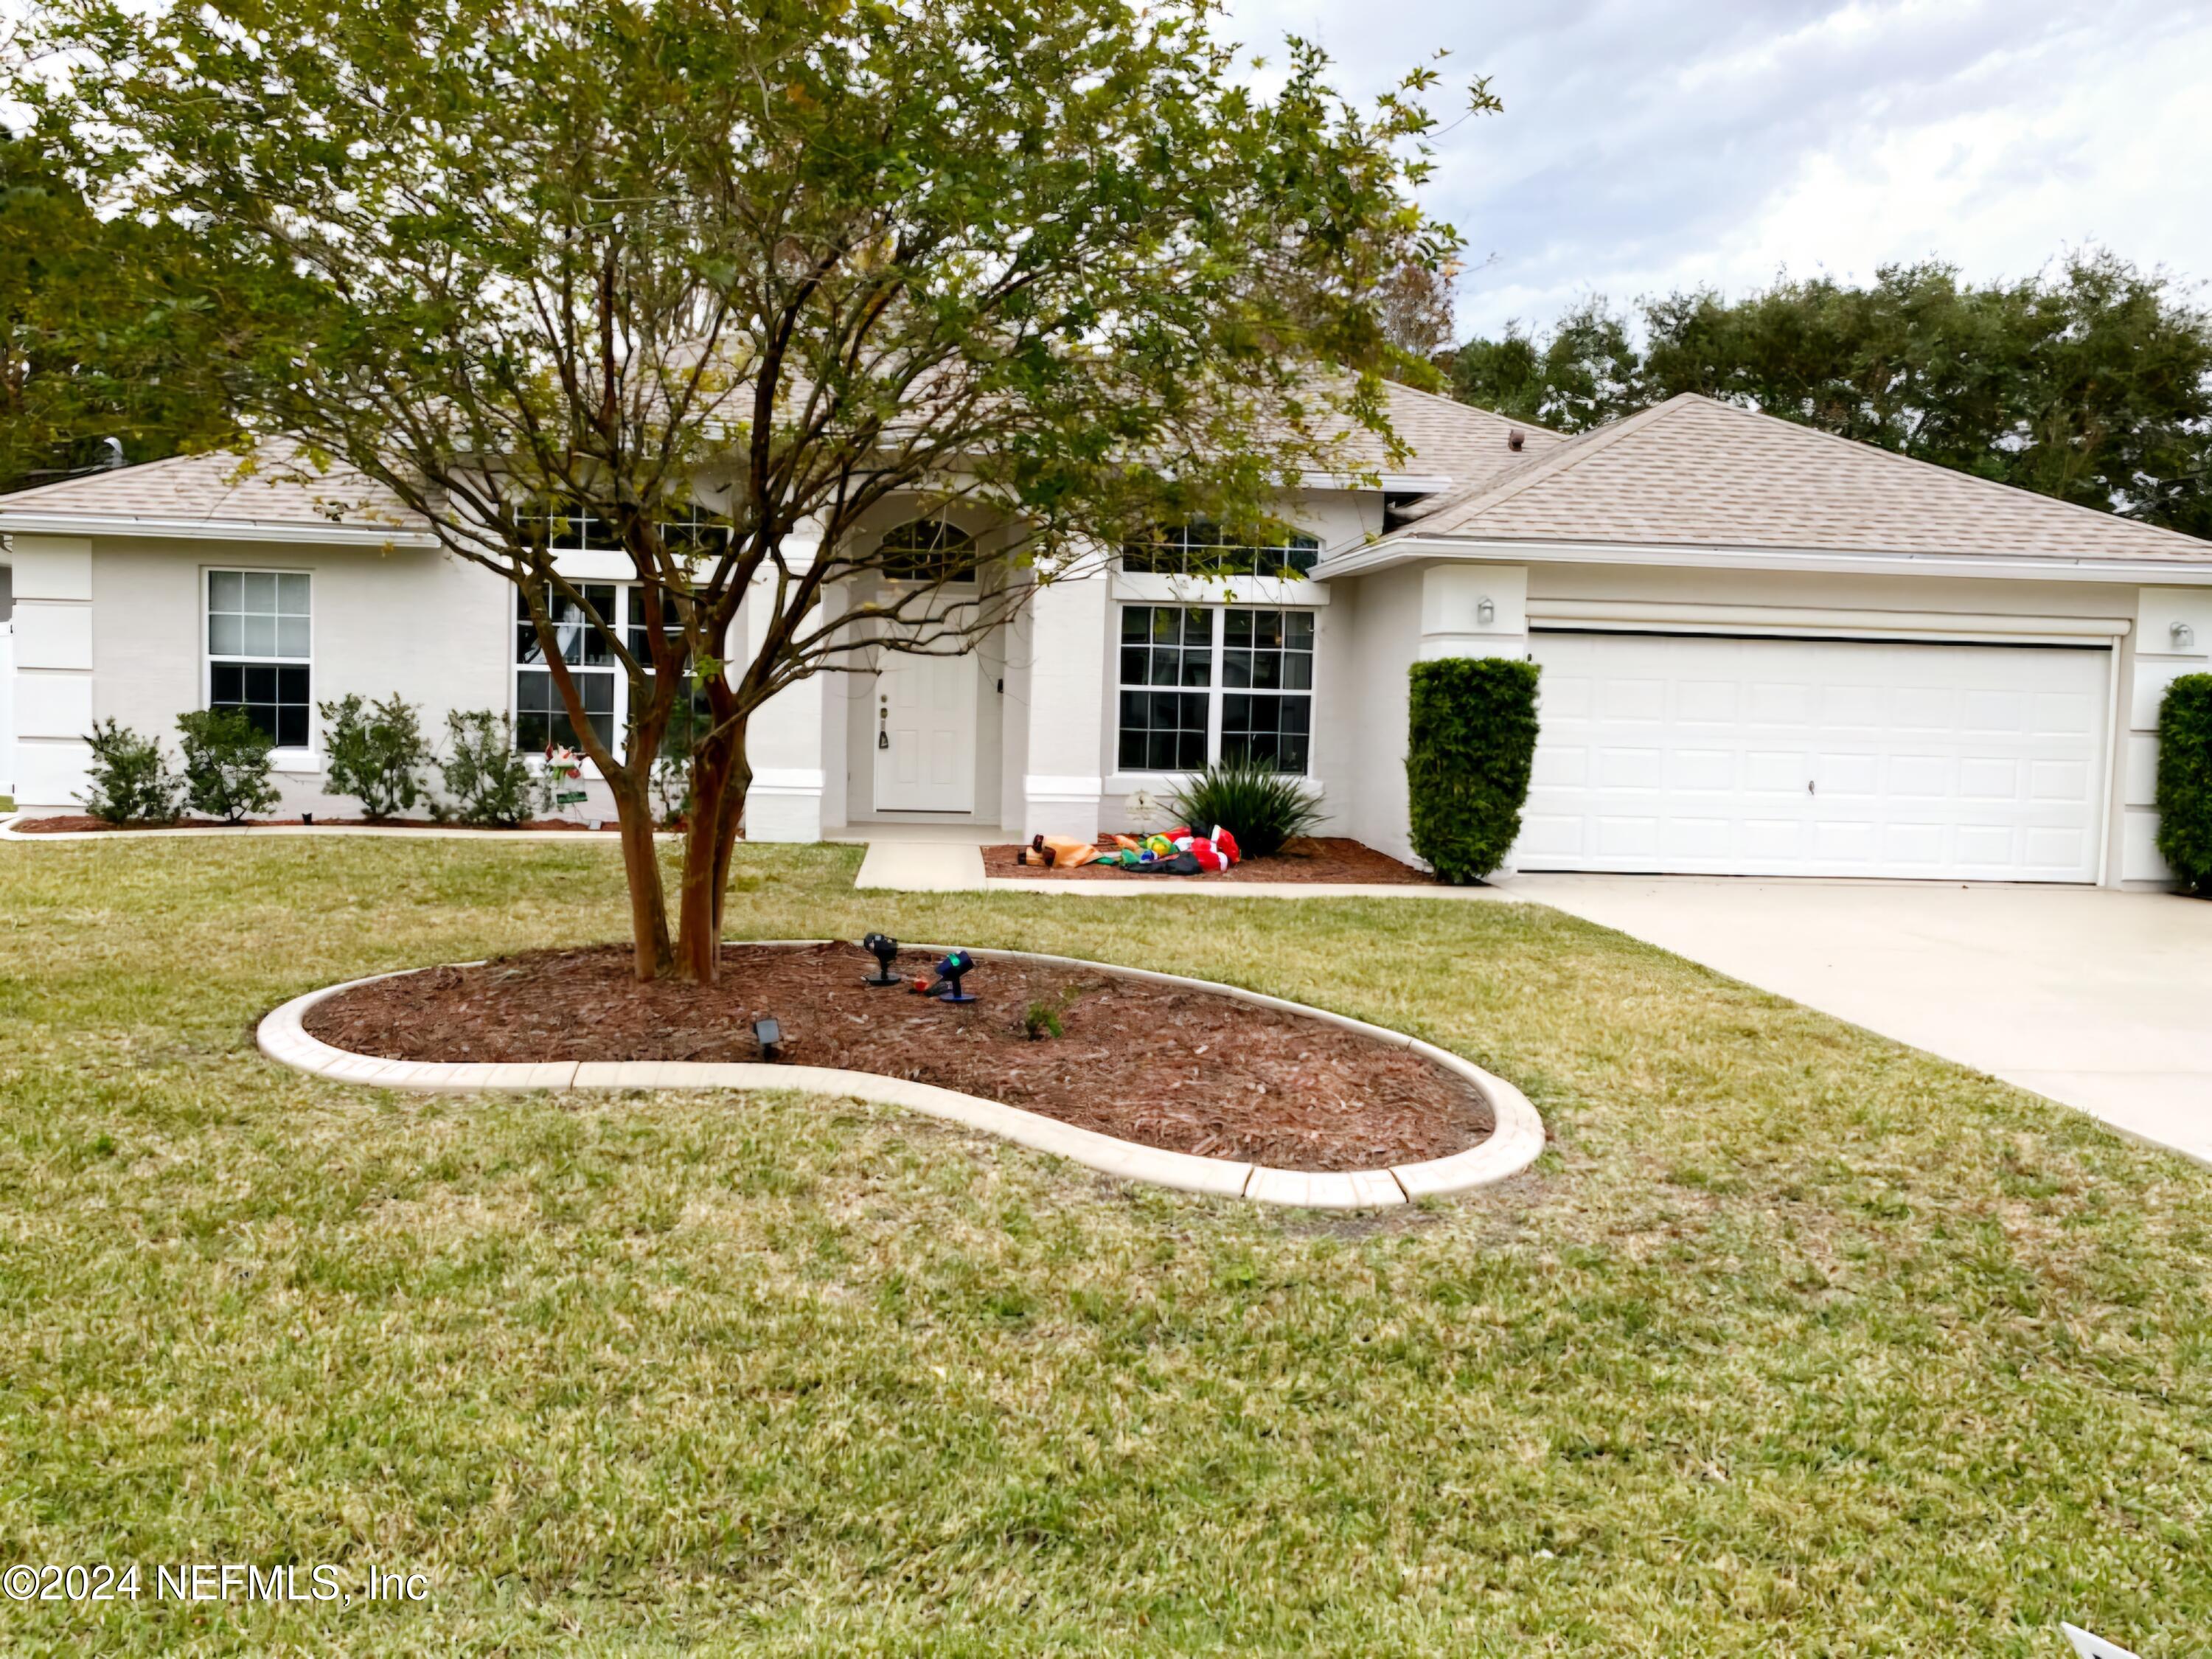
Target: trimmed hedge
{"x":2184,"y":781}
{"x":1471,"y":737}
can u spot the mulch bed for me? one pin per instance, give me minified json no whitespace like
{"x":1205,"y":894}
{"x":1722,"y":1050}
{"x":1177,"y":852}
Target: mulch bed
{"x":77,"y":823}
{"x":1321,"y":858}
{"x":1189,"y":1071}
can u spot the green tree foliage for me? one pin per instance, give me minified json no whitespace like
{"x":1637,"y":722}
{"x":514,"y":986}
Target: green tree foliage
{"x":2091,"y":381}
{"x":102,"y":332}
{"x":1586,"y":372}
{"x":1053,"y":257}
{"x":1471,"y":740}
{"x":2184,"y":781}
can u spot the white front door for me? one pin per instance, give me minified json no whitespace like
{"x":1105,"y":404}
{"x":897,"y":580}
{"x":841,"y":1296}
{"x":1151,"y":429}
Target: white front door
{"x":925,"y":737}
{"x":1695,"y":755}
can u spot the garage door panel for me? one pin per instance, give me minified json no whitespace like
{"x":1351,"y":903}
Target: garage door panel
{"x":2064,"y":782}
{"x":1852,"y":706}
{"x":1629,"y":768}
{"x":1777,"y":771}
{"x":1627,"y":837}
{"x":1551,"y":836}
{"x":2057,"y":716}
{"x":1637,"y":700}
{"x":1816,"y":757}
{"x":1985,"y":777}
{"x":1779,"y":703}
{"x":1706,"y":701}
{"x":1710,"y":840}
{"x":1849,"y":775}
{"x":1701,"y":770}
{"x":1559,"y":763}
{"x":1923,"y":777}
{"x":1919,"y":846}
{"x":1993,"y":711}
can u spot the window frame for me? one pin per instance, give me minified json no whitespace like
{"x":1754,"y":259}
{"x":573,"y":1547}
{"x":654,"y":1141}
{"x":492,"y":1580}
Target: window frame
{"x":283,"y":758}
{"x":1217,"y":690}
{"x":630,"y":621}
{"x":1177,"y":545}
{"x":953,"y":539}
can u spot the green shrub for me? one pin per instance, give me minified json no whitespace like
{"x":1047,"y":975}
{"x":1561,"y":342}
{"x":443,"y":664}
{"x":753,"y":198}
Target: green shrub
{"x":130,"y":783}
{"x":2184,"y":781}
{"x":226,"y":764}
{"x":376,"y":753}
{"x":1263,"y":807}
{"x":1471,"y":737}
{"x":490,"y":783}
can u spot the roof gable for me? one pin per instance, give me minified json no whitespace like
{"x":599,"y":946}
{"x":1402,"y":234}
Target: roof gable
{"x":1695,"y":471}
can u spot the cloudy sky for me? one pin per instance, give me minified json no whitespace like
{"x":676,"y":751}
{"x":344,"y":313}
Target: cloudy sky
{"x":1652,"y":144}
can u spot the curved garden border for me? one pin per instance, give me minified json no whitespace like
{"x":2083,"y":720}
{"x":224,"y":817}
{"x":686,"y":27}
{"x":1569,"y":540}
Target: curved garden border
{"x":1512,"y":1145}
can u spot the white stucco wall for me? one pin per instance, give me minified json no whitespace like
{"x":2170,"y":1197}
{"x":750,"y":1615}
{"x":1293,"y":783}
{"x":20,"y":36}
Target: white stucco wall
{"x":2163,"y":652}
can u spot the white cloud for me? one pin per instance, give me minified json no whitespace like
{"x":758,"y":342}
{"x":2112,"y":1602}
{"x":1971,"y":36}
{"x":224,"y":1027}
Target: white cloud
{"x":1652,"y":144}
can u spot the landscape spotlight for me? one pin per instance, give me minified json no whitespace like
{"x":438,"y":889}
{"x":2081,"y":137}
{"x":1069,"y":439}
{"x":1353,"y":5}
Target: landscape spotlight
{"x":950,"y":973}
{"x":769,"y":1034}
{"x":884,"y":949}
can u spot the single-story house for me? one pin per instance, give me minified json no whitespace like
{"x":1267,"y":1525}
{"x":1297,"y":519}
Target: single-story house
{"x":1766,"y":651}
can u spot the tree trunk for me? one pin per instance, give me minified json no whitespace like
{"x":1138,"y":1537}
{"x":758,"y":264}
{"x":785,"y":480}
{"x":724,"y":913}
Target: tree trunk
{"x":716,"y":766}
{"x":648,"y":904}
{"x":735,"y":790}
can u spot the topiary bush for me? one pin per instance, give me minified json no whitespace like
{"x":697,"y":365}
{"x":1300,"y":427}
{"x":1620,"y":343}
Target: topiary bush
{"x":490,"y":783}
{"x":377,"y":753}
{"x":1471,"y":737}
{"x":128,"y":781}
{"x":1263,"y":807}
{"x":226,"y":764}
{"x":2184,"y":781}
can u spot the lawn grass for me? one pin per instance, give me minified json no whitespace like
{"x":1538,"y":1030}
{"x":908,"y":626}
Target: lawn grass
{"x":1797,"y":1342}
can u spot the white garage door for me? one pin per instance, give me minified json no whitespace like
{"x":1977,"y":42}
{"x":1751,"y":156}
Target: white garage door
{"x":1816,"y":757}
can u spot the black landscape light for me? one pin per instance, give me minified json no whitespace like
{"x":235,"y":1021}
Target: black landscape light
{"x":769,"y":1034}
{"x":949,"y":972}
{"x":884,"y":949}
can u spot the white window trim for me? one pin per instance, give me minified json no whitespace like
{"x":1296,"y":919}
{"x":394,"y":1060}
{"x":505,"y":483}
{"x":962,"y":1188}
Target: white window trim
{"x":297,"y":762}
{"x":1216,"y":692}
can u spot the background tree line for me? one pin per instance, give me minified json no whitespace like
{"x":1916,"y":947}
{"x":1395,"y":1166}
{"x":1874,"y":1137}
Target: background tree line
{"x":104,"y":334}
{"x":2091,"y":381}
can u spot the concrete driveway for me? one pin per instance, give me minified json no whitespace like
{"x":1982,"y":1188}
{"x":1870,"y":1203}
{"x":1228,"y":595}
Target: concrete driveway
{"x":2099,"y":999}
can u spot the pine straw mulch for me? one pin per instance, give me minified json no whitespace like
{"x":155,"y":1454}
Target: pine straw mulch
{"x":1188,"y":1071}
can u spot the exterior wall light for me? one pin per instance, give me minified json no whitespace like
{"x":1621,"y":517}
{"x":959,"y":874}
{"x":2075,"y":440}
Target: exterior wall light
{"x":2184,"y":637}
{"x":1485,"y":612}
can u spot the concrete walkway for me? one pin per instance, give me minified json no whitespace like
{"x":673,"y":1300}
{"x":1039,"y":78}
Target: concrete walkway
{"x":2099,"y":999}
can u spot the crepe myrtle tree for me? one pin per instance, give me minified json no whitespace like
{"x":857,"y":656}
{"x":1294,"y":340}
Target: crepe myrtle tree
{"x":731,"y":279}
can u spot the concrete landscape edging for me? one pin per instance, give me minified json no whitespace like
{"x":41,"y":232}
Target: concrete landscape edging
{"x":1513,"y":1144}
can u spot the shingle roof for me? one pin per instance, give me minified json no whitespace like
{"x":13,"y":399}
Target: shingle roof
{"x":1695,"y":471}
{"x":273,"y":486}
{"x":1469,"y":445}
